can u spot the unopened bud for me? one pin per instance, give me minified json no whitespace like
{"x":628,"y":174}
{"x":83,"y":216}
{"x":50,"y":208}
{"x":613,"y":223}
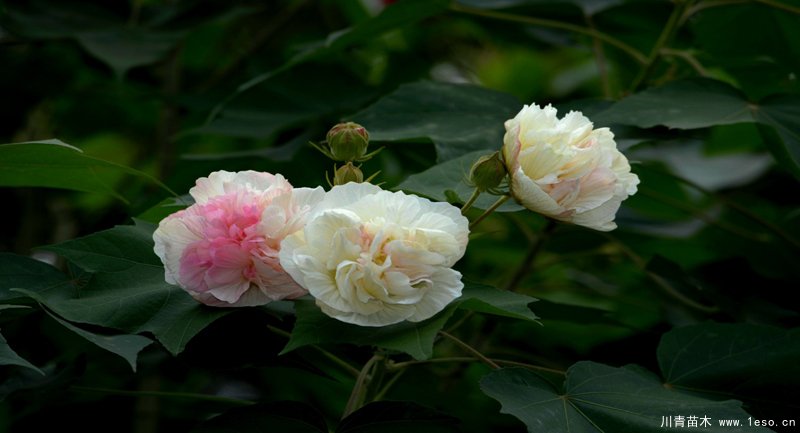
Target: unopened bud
{"x":348,"y":141}
{"x":488,"y":172}
{"x":348,"y":173}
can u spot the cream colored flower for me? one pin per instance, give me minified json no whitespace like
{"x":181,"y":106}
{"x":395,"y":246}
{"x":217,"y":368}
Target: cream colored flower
{"x":564,"y":169}
{"x":373,"y":257}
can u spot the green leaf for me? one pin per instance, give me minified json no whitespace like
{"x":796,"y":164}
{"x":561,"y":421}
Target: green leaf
{"x":413,"y":338}
{"x":126,"y":346}
{"x":165,"y":208}
{"x":9,"y":357}
{"x":127,"y":290}
{"x":491,"y":300}
{"x":397,"y":417}
{"x":26,"y":273}
{"x":573,"y":313}
{"x":701,"y":103}
{"x":683,"y":104}
{"x":54,"y":164}
{"x":782,"y":114}
{"x":284,"y":417}
{"x":458,"y":118}
{"x":123,"y":48}
{"x":596,"y":398}
{"x":452,"y":175}
{"x":744,"y":360}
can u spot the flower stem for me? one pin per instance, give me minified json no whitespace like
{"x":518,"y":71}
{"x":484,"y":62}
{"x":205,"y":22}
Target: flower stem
{"x":359,"y":393}
{"x":600,"y":59}
{"x":475,"y":194}
{"x":470,"y":349}
{"x":662,"y":283}
{"x":335,"y":359}
{"x":402,"y":365}
{"x":382,"y":393}
{"x":489,"y":211}
{"x":672,"y":24}
{"x":780,"y":5}
{"x":527,"y":263}
{"x":633,"y":52}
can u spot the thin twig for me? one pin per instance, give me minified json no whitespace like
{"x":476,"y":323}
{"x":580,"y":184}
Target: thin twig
{"x":633,"y":52}
{"x":475,"y":194}
{"x":489,"y":211}
{"x":402,"y":365}
{"x":336,"y":360}
{"x":382,"y":393}
{"x":359,"y":389}
{"x":662,"y":283}
{"x":672,"y":24}
{"x":780,"y":5}
{"x":255,"y":42}
{"x":688,"y":58}
{"x":600,"y":59}
{"x":702,"y":216}
{"x":729,"y":203}
{"x":527,"y":263}
{"x":469,"y":349}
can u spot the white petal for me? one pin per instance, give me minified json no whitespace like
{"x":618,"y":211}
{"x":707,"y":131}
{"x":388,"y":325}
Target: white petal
{"x":388,"y":315}
{"x":341,"y":196}
{"x":600,"y":218}
{"x":530,"y":195}
{"x":446,"y":287}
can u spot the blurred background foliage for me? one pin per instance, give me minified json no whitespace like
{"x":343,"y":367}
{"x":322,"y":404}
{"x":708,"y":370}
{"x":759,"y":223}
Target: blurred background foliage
{"x":179,"y":88}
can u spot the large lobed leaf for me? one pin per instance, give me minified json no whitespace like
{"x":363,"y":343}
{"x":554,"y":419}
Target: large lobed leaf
{"x":701,"y":103}
{"x":597,"y":398}
{"x":710,"y":359}
{"x":126,"y":289}
{"x":126,"y":346}
{"x":739,"y":360}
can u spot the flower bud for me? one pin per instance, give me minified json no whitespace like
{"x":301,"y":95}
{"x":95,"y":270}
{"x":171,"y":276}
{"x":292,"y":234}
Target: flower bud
{"x":348,"y":173}
{"x":348,"y":141}
{"x":488,"y":172}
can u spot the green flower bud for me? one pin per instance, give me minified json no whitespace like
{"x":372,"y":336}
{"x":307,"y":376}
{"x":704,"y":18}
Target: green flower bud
{"x":488,"y":172}
{"x":348,"y":141}
{"x":348,"y":173}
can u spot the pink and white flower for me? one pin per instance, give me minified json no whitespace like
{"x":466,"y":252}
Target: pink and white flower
{"x":224,"y":249}
{"x":565,"y":169}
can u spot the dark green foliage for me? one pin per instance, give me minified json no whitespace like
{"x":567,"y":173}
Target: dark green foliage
{"x":112,"y":109}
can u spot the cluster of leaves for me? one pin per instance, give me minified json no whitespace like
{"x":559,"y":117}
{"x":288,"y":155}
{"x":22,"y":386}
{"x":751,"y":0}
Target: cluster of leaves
{"x":686,"y":309}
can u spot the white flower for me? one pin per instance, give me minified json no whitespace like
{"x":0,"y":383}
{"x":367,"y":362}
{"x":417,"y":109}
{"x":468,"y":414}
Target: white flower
{"x":373,"y":257}
{"x":565,"y":169}
{"x":223,"y":249}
